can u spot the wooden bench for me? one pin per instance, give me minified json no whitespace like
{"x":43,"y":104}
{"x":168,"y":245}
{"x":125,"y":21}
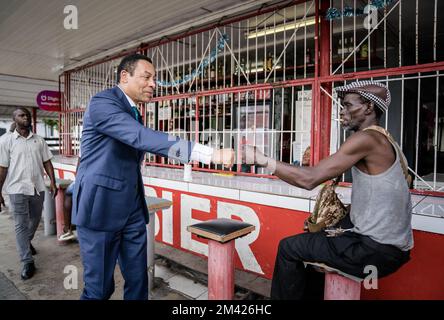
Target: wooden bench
{"x":221,"y":235}
{"x":154,"y":204}
{"x":338,"y":284}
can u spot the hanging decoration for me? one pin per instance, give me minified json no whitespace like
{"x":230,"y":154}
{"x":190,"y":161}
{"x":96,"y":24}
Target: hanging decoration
{"x":205,"y":63}
{"x":335,"y":13}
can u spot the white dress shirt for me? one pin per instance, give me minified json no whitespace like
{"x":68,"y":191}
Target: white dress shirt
{"x":24,"y":158}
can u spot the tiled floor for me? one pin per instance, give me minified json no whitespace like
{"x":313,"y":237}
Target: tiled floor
{"x":186,"y":286}
{"x":48,"y":282}
{"x":182,"y":284}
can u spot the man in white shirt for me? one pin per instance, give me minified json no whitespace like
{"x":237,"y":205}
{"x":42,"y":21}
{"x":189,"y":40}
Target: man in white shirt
{"x":23,"y":157}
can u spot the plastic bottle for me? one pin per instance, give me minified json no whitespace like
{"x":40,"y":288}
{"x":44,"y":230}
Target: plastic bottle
{"x":364,"y":51}
{"x":269,"y":62}
{"x":308,"y":56}
{"x":351,"y":45}
{"x":213,"y":72}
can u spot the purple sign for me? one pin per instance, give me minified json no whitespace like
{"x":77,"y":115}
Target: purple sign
{"x":49,"y":100}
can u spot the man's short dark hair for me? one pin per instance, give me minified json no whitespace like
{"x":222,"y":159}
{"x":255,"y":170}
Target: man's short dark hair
{"x":129,"y":63}
{"x":22,"y":109}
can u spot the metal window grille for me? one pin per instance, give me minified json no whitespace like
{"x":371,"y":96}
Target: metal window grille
{"x":265,"y":78}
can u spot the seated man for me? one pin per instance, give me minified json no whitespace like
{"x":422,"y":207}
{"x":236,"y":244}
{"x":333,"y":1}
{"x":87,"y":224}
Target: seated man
{"x":381,"y":208}
{"x":67,"y":208}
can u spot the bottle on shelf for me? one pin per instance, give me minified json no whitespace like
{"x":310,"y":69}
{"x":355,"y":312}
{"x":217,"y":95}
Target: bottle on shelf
{"x":345,"y":48}
{"x":340,"y":50}
{"x":220,"y":69}
{"x":212,"y":71}
{"x":249,"y":67}
{"x":364,"y":51}
{"x":176,"y":112}
{"x":213,"y":97}
{"x":308,"y":56}
{"x":178,"y":75}
{"x":279,"y":63}
{"x":205,"y":73}
{"x":242,"y":65}
{"x":269,"y":62}
{"x":351,"y":45}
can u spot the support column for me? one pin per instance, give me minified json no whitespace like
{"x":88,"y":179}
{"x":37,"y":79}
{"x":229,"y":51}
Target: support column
{"x":321,"y":108}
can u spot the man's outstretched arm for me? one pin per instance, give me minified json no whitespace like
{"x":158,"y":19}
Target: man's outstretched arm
{"x":354,"y":149}
{"x":121,"y":126}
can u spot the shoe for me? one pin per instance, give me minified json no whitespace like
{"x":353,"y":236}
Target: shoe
{"x":67,"y":236}
{"x":28,"y":271}
{"x":33,"y":251}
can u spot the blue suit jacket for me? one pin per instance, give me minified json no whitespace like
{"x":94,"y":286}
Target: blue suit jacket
{"x":112,"y":146}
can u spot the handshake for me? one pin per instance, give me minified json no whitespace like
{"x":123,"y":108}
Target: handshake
{"x":246,"y":155}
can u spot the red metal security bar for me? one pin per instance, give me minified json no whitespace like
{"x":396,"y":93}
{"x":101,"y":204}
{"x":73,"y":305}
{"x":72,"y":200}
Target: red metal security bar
{"x":267,"y":78}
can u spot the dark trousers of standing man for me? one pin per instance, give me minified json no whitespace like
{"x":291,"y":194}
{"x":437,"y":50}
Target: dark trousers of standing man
{"x":100,"y":251}
{"x":27,"y":212}
{"x":349,"y":252}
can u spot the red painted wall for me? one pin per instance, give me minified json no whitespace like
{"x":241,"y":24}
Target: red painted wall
{"x":420,"y":278}
{"x":275,"y":224}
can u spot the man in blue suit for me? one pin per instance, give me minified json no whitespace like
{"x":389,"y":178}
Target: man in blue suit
{"x":109,"y":207}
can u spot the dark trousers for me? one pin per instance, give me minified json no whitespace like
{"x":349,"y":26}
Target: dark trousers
{"x":349,"y":252}
{"x":100,"y":251}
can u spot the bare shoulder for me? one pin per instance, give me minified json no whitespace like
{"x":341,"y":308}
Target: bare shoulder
{"x":360,"y":141}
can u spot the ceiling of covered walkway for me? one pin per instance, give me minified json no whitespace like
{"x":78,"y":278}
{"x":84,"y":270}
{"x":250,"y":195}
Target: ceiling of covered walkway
{"x":35,"y":46}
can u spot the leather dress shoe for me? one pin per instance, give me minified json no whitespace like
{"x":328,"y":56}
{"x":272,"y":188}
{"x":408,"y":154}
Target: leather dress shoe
{"x":33,"y":251}
{"x":28,"y":271}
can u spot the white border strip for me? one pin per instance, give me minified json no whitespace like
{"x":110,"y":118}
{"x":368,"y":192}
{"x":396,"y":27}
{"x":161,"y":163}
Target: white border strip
{"x":427,"y":223}
{"x":275,"y":200}
{"x":169,"y":184}
{"x":419,"y":222}
{"x":233,"y":194}
{"x":64,"y":167}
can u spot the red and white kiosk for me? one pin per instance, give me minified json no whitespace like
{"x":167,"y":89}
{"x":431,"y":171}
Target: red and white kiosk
{"x":242,"y":92}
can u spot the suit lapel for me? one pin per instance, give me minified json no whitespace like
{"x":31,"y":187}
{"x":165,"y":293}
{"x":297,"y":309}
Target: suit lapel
{"x":127,"y":108}
{"x":119,"y":93}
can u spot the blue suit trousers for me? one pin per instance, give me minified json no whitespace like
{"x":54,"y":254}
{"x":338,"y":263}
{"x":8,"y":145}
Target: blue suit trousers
{"x":100,"y":251}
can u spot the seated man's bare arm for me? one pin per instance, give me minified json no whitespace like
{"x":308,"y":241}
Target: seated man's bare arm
{"x":355,"y":148}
